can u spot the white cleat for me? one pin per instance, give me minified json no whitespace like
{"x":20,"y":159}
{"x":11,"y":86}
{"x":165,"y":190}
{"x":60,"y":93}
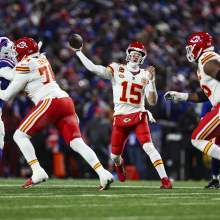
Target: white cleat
{"x":105,"y":180}
{"x":38,"y":176}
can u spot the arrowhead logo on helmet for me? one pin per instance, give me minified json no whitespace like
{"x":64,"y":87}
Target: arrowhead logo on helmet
{"x":25,"y":47}
{"x":22,"y":45}
{"x":195,"y":39}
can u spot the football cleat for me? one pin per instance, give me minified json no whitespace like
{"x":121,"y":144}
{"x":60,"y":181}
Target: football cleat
{"x":213,"y":184}
{"x":38,"y":176}
{"x":121,"y":171}
{"x":105,"y":180}
{"x":166,"y":184}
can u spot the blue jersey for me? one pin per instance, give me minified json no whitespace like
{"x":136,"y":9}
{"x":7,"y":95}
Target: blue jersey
{"x":207,"y":107}
{"x":5,"y":62}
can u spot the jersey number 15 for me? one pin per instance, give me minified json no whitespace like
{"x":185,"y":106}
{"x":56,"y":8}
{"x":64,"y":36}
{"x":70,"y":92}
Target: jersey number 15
{"x":133,"y":92}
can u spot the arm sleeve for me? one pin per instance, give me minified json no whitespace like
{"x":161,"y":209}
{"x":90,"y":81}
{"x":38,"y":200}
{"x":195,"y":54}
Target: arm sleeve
{"x":207,"y":107}
{"x":7,"y":73}
{"x":15,"y":87}
{"x":97,"y":69}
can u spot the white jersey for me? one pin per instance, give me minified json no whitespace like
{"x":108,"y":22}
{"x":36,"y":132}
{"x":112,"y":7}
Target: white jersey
{"x":128,"y":90}
{"x":210,"y":85}
{"x":35,"y":78}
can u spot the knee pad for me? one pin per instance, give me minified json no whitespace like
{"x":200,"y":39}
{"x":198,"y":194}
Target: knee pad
{"x":18,"y":135}
{"x":115,"y":157}
{"x":150,"y":149}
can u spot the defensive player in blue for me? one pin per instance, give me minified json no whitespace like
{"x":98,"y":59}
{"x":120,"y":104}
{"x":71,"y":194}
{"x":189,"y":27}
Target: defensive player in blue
{"x":214,"y":183}
{"x":6,"y":75}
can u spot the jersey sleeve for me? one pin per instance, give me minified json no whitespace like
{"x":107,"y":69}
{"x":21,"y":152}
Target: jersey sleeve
{"x":97,"y":69}
{"x":7,"y":62}
{"x":208,"y":57}
{"x":24,"y":67}
{"x":17,"y":84}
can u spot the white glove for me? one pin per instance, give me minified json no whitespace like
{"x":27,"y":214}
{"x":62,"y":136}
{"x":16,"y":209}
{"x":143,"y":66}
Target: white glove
{"x":177,"y":96}
{"x":151,"y":118}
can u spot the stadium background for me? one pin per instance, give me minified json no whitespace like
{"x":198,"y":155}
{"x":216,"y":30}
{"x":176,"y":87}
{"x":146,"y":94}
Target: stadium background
{"x":108,"y":27}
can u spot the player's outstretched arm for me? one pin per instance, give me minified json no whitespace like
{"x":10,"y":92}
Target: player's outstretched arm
{"x":195,"y":97}
{"x":97,"y":69}
{"x":17,"y":84}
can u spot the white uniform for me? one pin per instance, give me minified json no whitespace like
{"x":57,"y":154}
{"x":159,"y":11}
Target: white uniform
{"x":210,"y":85}
{"x":35,"y":77}
{"x":129,"y":90}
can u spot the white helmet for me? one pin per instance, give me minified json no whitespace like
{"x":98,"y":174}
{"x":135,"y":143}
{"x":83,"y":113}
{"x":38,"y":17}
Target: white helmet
{"x":6,"y":48}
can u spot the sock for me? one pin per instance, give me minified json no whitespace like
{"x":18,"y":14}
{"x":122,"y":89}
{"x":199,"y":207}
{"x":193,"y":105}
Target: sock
{"x":34,"y":165}
{"x":25,"y":145}
{"x":215,"y":167}
{"x":207,"y":147}
{"x":88,"y":154}
{"x":155,"y":159}
{"x":116,"y":159}
{"x":215,"y":177}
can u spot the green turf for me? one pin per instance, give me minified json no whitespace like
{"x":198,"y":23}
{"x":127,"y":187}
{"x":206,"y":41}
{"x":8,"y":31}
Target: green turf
{"x":131,"y":200}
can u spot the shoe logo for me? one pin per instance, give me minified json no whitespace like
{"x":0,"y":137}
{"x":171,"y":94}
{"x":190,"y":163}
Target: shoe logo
{"x":126,"y":120}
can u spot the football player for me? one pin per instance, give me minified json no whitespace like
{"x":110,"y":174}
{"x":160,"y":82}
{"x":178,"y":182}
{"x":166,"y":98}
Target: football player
{"x":200,"y":49}
{"x":214,"y":183}
{"x":35,"y":77}
{"x":130,"y":86}
{"x":7,"y":72}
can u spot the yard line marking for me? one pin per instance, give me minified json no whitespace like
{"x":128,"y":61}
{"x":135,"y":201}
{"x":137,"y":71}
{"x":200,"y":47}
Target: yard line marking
{"x":95,"y":186}
{"x":115,"y":195}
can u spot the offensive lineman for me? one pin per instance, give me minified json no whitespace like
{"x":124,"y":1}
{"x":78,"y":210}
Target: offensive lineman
{"x":35,"y":77}
{"x":200,"y":49}
{"x":130,"y":85}
{"x":7,"y":72}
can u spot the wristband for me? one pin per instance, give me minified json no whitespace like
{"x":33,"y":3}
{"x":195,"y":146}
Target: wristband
{"x":184,"y":96}
{"x":77,"y":51}
{"x":152,"y":87}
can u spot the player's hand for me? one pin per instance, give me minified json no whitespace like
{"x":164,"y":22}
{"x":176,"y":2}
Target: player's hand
{"x":151,"y":72}
{"x":177,"y":96}
{"x":76,"y":49}
{"x":151,"y":118}
{"x":0,"y":152}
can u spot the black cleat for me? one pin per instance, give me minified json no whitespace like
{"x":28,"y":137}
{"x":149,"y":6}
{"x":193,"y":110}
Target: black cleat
{"x":214,"y":184}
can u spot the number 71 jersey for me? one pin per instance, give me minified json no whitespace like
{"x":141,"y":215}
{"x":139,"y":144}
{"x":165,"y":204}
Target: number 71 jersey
{"x":40,"y":79}
{"x":128,"y":90}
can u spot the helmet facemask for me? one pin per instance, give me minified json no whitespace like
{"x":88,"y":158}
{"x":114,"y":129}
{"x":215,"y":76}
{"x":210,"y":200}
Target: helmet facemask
{"x":6,"y":49}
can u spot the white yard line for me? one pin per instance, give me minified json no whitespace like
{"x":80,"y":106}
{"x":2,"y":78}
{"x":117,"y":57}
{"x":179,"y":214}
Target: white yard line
{"x":165,"y":196}
{"x":95,"y":186}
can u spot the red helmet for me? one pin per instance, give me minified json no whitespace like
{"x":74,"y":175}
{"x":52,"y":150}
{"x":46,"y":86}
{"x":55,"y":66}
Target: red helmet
{"x":136,"y":47}
{"x":25,"y":47}
{"x":197,"y":44}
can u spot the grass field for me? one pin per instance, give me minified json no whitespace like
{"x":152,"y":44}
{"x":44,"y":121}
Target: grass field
{"x":131,"y":200}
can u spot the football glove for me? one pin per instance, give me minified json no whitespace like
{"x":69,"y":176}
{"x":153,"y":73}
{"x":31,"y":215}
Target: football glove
{"x":0,"y":152}
{"x":151,"y":118}
{"x":177,"y":96}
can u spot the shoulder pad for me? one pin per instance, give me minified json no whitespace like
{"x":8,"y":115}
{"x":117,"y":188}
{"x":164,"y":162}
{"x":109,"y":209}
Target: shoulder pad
{"x":208,"y":56}
{"x":7,"y":62}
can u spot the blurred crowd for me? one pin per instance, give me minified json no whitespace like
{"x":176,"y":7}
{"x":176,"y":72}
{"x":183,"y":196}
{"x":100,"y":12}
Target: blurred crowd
{"x":107,"y":28}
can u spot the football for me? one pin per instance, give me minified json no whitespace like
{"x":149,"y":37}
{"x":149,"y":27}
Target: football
{"x":75,"y":41}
